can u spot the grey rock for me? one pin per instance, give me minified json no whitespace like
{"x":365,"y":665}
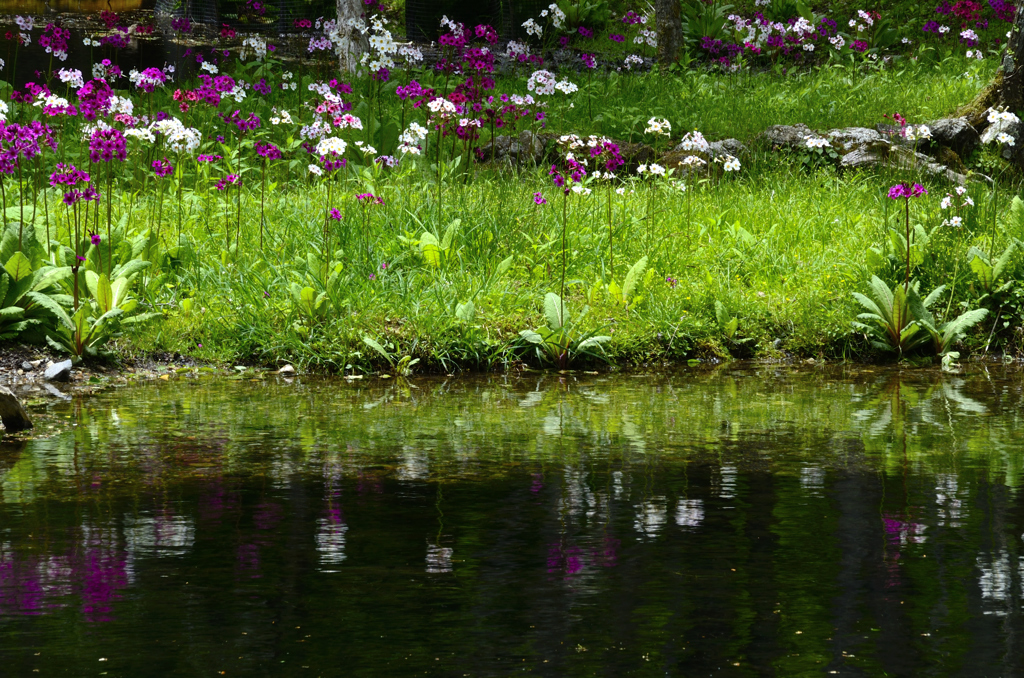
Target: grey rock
{"x":725,"y":147}
{"x":27,"y":366}
{"x":850,"y":139}
{"x":787,"y":136}
{"x":13,"y":415}
{"x":526,"y":149}
{"x":55,"y":392}
{"x":862,"y":158}
{"x":955,"y":133}
{"x":286,"y":370}
{"x":902,"y":158}
{"x":777,"y":344}
{"x":58,"y":371}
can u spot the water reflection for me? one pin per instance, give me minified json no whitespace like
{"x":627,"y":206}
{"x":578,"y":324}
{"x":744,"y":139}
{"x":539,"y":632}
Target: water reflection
{"x":774,"y":522}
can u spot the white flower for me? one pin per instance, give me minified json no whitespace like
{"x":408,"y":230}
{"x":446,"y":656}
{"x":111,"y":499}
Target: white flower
{"x":542,"y":83}
{"x":633,"y":60}
{"x":943,"y":29}
{"x":209,"y":67}
{"x":694,"y":141}
{"x":838,"y":42}
{"x":960,"y":190}
{"x":808,"y":46}
{"x":181,"y":138}
{"x":1005,"y":138}
{"x":442,"y":107}
{"x":331,"y":146}
{"x":968,"y":202}
{"x":969,"y":35}
{"x":258,"y":46}
{"x":641,"y":169}
{"x":580,"y":190}
{"x":566,"y":87}
{"x":731,"y":164}
{"x":693,"y":161}
{"x":817,"y":142}
{"x":946,"y":203}
{"x":316,"y":170}
{"x":72,"y":77}
{"x":658,"y":170}
{"x":142,"y":134}
{"x":906,"y":41}
{"x":366,"y":148}
{"x":955,"y":222}
{"x":3,"y":111}
{"x":532,"y":28}
{"x":658,"y":126}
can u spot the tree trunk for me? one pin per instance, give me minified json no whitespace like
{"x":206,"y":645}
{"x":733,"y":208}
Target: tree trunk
{"x":349,"y":43}
{"x":1007,"y":89}
{"x":669,"y":19}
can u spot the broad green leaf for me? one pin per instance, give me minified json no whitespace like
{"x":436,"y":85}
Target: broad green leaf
{"x":104,"y":294}
{"x":505,"y":264}
{"x":378,"y":348}
{"x":18,"y":266}
{"x":555,"y":312}
{"x":465,"y":312}
{"x":632,"y":278}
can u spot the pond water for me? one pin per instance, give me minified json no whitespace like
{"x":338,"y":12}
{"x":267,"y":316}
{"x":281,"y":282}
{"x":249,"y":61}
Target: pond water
{"x":743,"y":521}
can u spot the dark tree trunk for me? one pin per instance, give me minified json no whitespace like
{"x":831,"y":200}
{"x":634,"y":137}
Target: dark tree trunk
{"x":669,"y":19}
{"x":1007,"y":89}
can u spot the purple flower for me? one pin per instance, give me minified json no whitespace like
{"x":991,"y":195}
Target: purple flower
{"x":538,"y":199}
{"x":208,"y":158}
{"x":370,"y":199}
{"x":588,"y":60}
{"x":228,"y":181}
{"x":335,"y":214}
{"x":162,"y":168}
{"x":106,"y":145}
{"x":615,"y":37}
{"x":268,"y":151}
{"x":94,"y":238}
{"x":907,"y":192}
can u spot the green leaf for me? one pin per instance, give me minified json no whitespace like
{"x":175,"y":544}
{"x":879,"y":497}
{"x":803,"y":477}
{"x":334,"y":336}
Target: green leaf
{"x":379,"y":349}
{"x":465,"y":312}
{"x":632,"y":278}
{"x":18,"y":266}
{"x":104,"y":294}
{"x":555,"y":312}
{"x":531,"y":336}
{"x":428,"y":247}
{"x":505,"y":264}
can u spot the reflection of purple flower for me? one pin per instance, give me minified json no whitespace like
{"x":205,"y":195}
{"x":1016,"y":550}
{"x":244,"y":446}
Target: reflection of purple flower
{"x":608,"y":554}
{"x":564,"y":559}
{"x":267,"y":515}
{"x":538,"y":483}
{"x":248,"y":558}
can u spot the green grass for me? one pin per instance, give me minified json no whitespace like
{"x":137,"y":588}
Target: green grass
{"x":780,"y":247}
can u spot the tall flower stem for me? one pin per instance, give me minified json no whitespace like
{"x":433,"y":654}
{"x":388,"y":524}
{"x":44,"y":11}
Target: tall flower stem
{"x":110,"y":243}
{"x":565,"y":220}
{"x":906,"y":282}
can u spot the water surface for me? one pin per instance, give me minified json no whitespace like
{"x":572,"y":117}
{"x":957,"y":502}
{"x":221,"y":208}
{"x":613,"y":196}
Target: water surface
{"x":745,"y":521}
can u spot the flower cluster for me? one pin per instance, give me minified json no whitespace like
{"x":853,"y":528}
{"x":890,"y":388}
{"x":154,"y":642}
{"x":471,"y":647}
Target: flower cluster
{"x":106,"y":145}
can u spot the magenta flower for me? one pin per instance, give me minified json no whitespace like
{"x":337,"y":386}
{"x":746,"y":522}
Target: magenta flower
{"x":370,"y":199}
{"x":335,"y":214}
{"x":94,"y":238}
{"x":162,"y":168}
{"x":538,"y":199}
{"x":906,"y":191}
